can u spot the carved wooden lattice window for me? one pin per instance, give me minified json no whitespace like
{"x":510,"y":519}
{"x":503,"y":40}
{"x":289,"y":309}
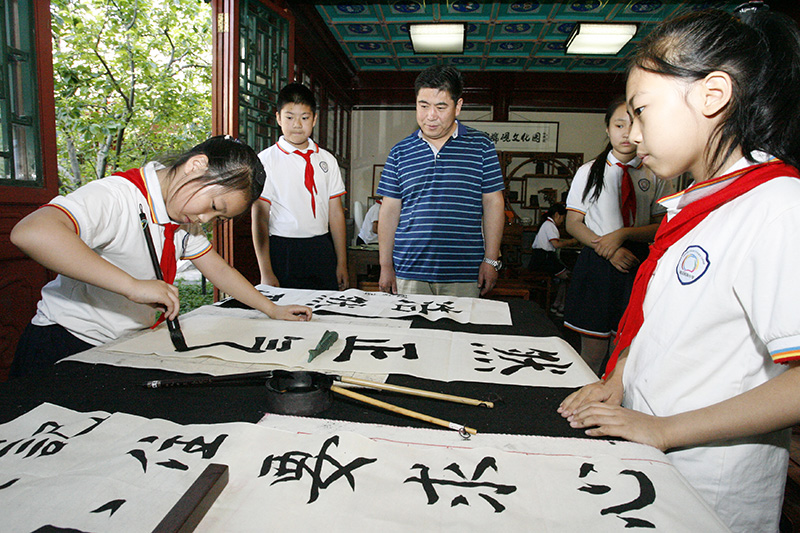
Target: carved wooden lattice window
{"x":263,"y":71}
{"x":20,"y":155}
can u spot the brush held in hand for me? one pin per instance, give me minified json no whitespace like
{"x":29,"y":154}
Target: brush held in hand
{"x":175,"y":334}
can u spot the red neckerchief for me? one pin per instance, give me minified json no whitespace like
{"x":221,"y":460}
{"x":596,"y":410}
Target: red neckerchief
{"x":311,"y":186}
{"x":669,"y":232}
{"x":627,"y":197}
{"x":168,"y":261}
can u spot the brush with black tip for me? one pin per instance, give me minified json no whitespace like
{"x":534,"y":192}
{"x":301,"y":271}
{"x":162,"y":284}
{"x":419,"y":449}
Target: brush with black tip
{"x":175,"y":334}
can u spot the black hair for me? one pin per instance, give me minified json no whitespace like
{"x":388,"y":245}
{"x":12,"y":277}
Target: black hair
{"x":559,"y":209}
{"x":297,"y":93}
{"x":442,"y":78}
{"x":594,"y":184}
{"x":232,"y":165}
{"x":760,"y":51}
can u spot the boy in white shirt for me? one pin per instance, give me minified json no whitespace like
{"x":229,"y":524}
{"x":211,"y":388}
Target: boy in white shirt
{"x":298,"y":224}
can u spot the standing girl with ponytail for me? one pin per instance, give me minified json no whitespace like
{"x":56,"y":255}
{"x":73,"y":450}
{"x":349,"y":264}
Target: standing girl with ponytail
{"x":706,"y":364}
{"x":612,"y":211}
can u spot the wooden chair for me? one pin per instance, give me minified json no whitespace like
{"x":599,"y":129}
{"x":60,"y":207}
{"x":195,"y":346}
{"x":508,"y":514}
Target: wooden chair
{"x":540,"y":283}
{"x":508,"y":288}
{"x":369,"y":286}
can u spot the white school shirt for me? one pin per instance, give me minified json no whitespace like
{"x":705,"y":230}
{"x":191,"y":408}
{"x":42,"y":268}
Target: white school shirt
{"x":366,"y":233}
{"x":723,"y":302}
{"x":290,"y":213}
{"x":106,"y":217}
{"x":546,"y":233}
{"x":603,"y":215}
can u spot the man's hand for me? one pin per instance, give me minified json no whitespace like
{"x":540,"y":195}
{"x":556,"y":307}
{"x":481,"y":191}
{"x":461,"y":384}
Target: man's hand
{"x":487,"y":278}
{"x":387,"y":281}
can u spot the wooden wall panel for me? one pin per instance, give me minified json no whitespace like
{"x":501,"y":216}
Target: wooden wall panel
{"x":22,"y":279}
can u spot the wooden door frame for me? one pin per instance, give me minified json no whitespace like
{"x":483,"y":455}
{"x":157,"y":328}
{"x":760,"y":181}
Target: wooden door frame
{"x":225,"y":91}
{"x":21,"y":278}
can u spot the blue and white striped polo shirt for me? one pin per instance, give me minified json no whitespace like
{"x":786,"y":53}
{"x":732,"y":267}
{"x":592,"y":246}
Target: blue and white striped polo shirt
{"x":439,"y":237}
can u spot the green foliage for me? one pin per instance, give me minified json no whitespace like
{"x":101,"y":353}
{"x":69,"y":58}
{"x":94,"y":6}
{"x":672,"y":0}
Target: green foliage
{"x":191,"y":295}
{"x":132,"y":82}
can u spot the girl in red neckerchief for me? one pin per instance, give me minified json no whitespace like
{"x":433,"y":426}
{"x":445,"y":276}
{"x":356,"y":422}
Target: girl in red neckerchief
{"x":612,"y":210}
{"x":93,"y":238}
{"x":706,"y":366}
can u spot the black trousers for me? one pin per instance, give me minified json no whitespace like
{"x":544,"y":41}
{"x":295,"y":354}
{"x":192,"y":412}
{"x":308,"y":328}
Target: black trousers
{"x":42,"y":346}
{"x":304,"y":263}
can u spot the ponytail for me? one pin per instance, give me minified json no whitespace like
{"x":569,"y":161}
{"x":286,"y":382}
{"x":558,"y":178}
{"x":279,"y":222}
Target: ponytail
{"x":594,"y":185}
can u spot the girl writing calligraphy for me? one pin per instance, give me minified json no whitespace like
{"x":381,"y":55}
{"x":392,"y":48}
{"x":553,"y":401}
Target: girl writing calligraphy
{"x":106,"y":284}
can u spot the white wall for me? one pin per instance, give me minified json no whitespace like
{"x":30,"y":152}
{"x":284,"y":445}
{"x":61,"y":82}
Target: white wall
{"x":376,"y":131}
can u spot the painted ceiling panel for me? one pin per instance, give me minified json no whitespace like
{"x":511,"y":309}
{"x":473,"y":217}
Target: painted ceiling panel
{"x":501,"y":35}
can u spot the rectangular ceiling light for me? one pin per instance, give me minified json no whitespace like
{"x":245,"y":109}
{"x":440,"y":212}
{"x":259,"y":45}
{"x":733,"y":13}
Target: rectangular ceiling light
{"x":437,"y":38}
{"x":600,"y":39}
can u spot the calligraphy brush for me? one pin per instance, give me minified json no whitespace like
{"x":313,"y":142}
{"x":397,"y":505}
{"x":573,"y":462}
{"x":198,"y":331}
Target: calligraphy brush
{"x":247,"y":378}
{"x":414,"y":392}
{"x":250,"y":378}
{"x":175,"y":334}
{"x":403,"y":411}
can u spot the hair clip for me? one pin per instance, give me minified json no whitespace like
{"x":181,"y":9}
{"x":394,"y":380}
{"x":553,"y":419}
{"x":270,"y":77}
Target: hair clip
{"x":751,"y":7}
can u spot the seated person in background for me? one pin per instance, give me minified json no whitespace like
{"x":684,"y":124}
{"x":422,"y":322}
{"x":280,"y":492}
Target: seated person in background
{"x":543,"y":256}
{"x":369,"y":228}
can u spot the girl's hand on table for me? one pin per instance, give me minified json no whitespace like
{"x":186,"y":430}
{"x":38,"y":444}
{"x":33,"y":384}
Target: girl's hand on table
{"x":291,"y":312}
{"x":609,"y":392}
{"x":607,"y":420}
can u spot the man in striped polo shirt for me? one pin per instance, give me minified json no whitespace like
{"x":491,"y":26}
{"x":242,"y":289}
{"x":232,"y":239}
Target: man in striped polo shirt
{"x":441,"y":221}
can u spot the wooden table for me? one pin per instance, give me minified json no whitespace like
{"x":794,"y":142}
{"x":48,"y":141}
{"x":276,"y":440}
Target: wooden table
{"x":359,"y":259}
{"x":524,"y":410}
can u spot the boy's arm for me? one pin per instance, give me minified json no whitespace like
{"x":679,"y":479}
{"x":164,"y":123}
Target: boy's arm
{"x":339,"y":233}
{"x":48,"y":237}
{"x":259,"y":214}
{"x":769,"y":407}
{"x":230,"y":281}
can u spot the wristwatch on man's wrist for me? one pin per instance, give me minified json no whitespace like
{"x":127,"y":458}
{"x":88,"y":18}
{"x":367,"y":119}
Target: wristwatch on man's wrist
{"x":496,"y":263}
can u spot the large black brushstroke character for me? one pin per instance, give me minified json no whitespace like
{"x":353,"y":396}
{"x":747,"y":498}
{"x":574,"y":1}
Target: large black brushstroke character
{"x":647,"y":495}
{"x":48,"y":439}
{"x":292,"y":465}
{"x":533,"y":358}
{"x":196,"y":445}
{"x":423,"y":308}
{"x":429,"y":484}
{"x":258,"y":345}
{"x":375,"y":348}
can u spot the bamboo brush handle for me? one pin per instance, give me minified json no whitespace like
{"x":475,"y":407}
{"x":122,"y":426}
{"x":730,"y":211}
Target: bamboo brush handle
{"x":400,"y":410}
{"x":416,"y":392}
